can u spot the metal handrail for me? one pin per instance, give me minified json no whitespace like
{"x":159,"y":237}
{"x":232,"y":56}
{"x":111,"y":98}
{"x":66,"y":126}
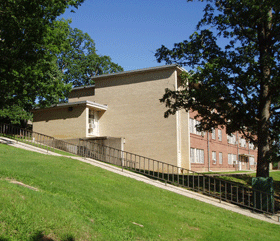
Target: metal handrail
{"x":219,"y":188}
{"x":216,"y":187}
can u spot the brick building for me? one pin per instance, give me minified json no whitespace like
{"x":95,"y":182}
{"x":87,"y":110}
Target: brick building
{"x":217,"y":151}
{"x":123,"y":111}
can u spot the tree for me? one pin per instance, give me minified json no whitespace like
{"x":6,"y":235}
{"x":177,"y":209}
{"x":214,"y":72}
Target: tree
{"x":234,"y":82}
{"x":79,"y":61}
{"x":29,"y":42}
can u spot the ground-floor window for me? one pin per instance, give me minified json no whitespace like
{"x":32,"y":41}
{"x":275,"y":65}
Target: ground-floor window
{"x":197,"y":155}
{"x":251,"y":160}
{"x":214,"y":157}
{"x":220,"y":158}
{"x":231,"y":159}
{"x":93,"y":128}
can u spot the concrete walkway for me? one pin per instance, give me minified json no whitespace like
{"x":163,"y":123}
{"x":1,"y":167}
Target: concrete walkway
{"x":271,"y":219}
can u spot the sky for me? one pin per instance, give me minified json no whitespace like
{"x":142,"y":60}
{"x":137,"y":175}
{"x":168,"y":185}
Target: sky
{"x":130,"y":31}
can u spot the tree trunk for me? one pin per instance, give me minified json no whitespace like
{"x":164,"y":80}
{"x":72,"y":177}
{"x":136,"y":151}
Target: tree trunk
{"x":265,"y":99}
{"x":263,"y":128}
{"x":263,"y":144}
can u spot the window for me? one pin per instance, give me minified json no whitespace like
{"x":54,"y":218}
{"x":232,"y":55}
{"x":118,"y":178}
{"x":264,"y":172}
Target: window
{"x":93,"y":128}
{"x":230,"y":161}
{"x":197,"y":155}
{"x":193,"y":123}
{"x":91,"y":121}
{"x":231,"y":139}
{"x":213,"y":133}
{"x":251,"y":146}
{"x":200,"y":156}
{"x":220,"y":158}
{"x":243,"y":142}
{"x":220,"y":135}
{"x":251,"y":160}
{"x":234,"y":159}
{"x":214,"y":157}
{"x":197,"y":123}
{"x":192,"y":155}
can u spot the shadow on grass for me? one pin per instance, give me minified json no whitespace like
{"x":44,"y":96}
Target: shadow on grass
{"x":40,"y":236}
{"x":3,"y":239}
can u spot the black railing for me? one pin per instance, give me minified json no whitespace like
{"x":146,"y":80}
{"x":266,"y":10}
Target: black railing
{"x":36,"y":139}
{"x":27,"y":136}
{"x":212,"y":186}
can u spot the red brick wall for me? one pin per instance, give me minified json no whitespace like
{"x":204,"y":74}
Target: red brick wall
{"x":201,"y":142}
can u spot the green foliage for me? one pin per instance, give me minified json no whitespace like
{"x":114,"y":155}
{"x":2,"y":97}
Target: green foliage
{"x":41,"y":57}
{"x":29,"y":40}
{"x":234,"y":82}
{"x":78,"y":61}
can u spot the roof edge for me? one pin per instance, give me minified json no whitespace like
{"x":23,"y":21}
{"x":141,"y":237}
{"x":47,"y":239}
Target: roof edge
{"x":131,"y":72}
{"x":84,"y":102}
{"x":141,"y":70}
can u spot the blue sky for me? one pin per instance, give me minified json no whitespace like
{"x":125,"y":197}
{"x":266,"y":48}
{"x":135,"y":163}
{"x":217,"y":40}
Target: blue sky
{"x":130,"y":31}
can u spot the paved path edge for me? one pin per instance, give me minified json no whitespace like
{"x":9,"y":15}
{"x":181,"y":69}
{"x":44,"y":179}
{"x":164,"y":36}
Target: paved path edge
{"x":275,"y":219}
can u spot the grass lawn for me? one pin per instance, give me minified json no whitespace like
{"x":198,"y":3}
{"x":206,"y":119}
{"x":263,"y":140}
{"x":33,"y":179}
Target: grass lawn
{"x":246,"y":179}
{"x":39,"y":145}
{"x":77,"y":201}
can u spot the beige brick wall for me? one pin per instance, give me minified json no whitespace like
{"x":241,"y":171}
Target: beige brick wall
{"x":61,"y":123}
{"x":135,"y":113}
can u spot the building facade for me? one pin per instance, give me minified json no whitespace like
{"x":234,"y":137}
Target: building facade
{"x":217,"y":151}
{"x":123,"y":110}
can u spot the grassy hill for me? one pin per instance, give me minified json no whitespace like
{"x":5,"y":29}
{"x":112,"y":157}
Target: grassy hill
{"x":55,"y":198}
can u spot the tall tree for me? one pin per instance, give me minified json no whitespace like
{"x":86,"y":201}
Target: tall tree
{"x":28,"y":44}
{"x":235,"y":84}
{"x":79,"y":60}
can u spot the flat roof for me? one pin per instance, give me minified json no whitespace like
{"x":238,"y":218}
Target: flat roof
{"x":140,"y":70}
{"x":84,"y":102}
{"x":131,"y":72}
{"x":83,"y":87}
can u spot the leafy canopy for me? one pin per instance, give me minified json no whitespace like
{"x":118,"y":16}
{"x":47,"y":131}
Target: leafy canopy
{"x":28,"y":44}
{"x":41,"y":57}
{"x":79,"y":61}
{"x":234,"y":83}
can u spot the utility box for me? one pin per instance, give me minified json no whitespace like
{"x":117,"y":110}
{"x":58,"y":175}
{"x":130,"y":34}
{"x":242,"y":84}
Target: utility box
{"x":264,"y":197}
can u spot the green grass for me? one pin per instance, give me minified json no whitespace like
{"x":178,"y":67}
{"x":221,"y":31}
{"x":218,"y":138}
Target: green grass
{"x":63,"y":152}
{"x":229,"y":172}
{"x":77,"y":201}
{"x":29,"y":141}
{"x":246,"y":179}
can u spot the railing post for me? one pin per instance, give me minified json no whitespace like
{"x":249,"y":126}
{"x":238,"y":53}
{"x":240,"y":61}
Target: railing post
{"x":198,"y":176}
{"x":122,"y":160}
{"x":272,"y":203}
{"x":203,"y":183}
{"x":183,"y":181}
{"x":237,"y":196}
{"x":220,"y":191}
{"x":193,"y":181}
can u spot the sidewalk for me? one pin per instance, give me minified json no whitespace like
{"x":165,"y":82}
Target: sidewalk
{"x":215,"y":202}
